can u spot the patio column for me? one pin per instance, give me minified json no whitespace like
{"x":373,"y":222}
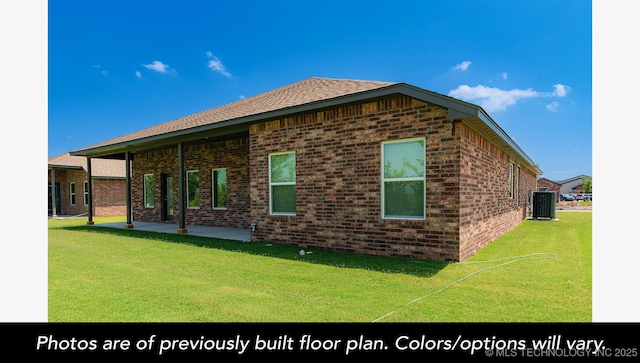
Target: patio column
{"x":90,"y":195}
{"x":129,"y":223}
{"x":54,"y":210}
{"x":181,"y":226}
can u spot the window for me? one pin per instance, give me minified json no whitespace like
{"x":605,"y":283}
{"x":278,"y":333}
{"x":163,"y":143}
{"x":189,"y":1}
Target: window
{"x":148,"y":190}
{"x":85,"y":186}
{"x":282,"y":183}
{"x":72,"y":193}
{"x":518,"y":186}
{"x":219,"y":186}
{"x":193,"y":189}
{"x":510,"y":180}
{"x":403,"y":184}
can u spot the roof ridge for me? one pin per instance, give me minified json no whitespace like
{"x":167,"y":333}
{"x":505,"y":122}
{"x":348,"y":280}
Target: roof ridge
{"x":351,"y":79}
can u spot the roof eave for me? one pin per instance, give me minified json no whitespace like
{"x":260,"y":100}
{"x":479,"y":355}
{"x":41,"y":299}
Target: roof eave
{"x":457,"y":109}
{"x":511,"y":144}
{"x":110,"y":177}
{"x":58,"y":166}
{"x":468,"y":113}
{"x":246,"y":120}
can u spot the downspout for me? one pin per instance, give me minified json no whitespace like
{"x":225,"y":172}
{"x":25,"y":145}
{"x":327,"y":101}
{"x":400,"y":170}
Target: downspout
{"x":181,"y":226}
{"x":129,"y":223}
{"x":90,"y":196}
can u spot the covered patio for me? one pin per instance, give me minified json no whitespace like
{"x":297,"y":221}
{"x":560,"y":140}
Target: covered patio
{"x":239,"y":234}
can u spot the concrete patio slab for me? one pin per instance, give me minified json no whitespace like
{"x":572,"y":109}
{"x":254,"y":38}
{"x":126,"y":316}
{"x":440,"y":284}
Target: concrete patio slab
{"x":238,"y":234}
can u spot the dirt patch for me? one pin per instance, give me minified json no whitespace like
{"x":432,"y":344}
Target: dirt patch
{"x":573,"y":205}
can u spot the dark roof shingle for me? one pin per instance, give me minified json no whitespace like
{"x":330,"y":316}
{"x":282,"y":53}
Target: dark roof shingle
{"x":307,"y":91}
{"x":105,"y":168}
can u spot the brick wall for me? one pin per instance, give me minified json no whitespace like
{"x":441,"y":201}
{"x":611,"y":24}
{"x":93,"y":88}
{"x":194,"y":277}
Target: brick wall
{"x":338,"y":184}
{"x":232,"y":155}
{"x":553,"y":187}
{"x":109,"y":195}
{"x":487,"y":210}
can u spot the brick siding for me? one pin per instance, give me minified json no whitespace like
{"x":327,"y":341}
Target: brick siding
{"x":338,"y":184}
{"x":232,"y":155}
{"x":109,"y":195}
{"x":487,"y":211}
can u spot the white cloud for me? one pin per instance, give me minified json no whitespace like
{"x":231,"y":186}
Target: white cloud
{"x":495,"y":99}
{"x":241,"y":97}
{"x":160,"y":67}
{"x":553,"y":106}
{"x":561,"y":90}
{"x":503,"y":75}
{"x":492,"y":99}
{"x":216,"y":65}
{"x":462,"y":66}
{"x":138,"y":74}
{"x":103,"y":72}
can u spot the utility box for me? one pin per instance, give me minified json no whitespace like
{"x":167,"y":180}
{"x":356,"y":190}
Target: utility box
{"x":544,"y":205}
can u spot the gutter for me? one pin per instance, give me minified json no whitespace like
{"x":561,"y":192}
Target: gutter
{"x":498,"y":130}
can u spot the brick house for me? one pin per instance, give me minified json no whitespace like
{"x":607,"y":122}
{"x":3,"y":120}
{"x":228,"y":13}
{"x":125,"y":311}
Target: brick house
{"x":551,"y":186}
{"x":70,"y":176}
{"x":363,"y":166}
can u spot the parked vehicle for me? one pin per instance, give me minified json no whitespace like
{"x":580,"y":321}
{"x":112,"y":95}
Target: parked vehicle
{"x":567,"y":197}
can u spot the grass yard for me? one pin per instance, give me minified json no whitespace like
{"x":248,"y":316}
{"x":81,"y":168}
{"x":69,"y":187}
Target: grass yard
{"x":539,"y":272}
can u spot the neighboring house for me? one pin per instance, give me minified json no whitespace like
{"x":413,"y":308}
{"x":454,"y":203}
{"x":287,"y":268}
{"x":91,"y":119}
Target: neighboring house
{"x":572,"y":185}
{"x":551,"y":186}
{"x":363,"y":166}
{"x":70,"y":176}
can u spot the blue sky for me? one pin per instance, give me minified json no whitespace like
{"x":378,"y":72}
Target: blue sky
{"x":80,"y":72}
{"x":117,"y":67}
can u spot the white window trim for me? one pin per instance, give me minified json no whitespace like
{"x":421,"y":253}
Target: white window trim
{"x":271,"y":184}
{"x":72,"y":193}
{"x":383,"y":180}
{"x":214,"y":188}
{"x":187,"y":182}
{"x":144,"y":191}
{"x":85,"y":194}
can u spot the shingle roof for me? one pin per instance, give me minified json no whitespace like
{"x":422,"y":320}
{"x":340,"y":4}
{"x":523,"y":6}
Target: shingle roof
{"x":104,"y":168}
{"x":579,"y":177}
{"x":305,"y":96}
{"x":307,"y":91}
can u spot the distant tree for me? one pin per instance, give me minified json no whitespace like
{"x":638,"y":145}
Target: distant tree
{"x":586,"y":184}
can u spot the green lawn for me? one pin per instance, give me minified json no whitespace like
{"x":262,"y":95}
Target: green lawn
{"x":98,"y":274}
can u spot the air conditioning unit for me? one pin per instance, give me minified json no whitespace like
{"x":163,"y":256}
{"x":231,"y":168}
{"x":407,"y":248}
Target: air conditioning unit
{"x":544,"y":205}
